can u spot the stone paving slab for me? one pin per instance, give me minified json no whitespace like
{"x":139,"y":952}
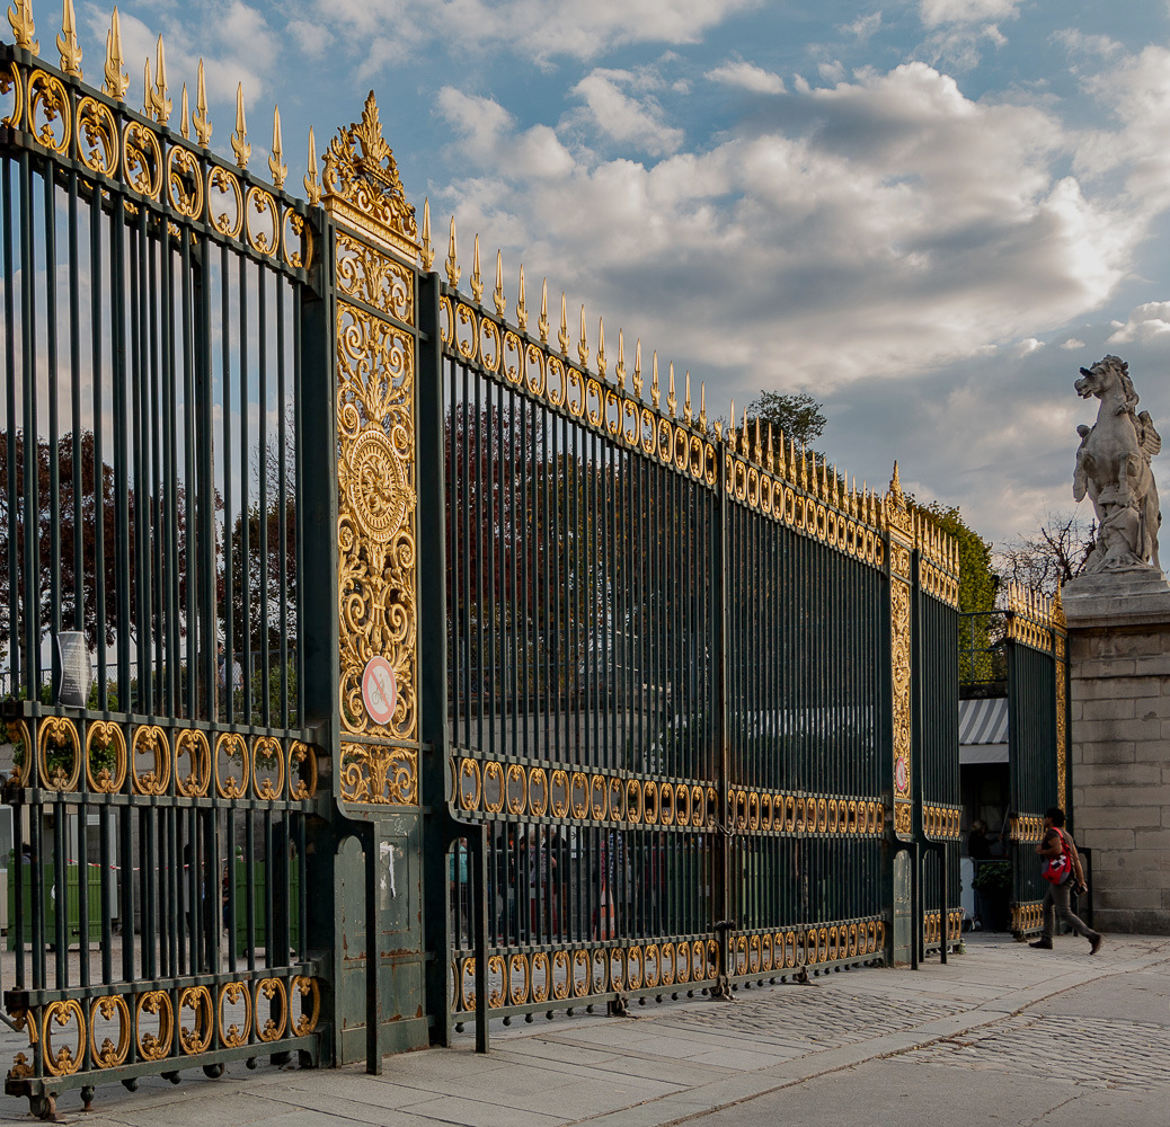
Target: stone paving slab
{"x":966,"y":1044}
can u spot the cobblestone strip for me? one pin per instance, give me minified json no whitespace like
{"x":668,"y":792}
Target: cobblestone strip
{"x":1093,"y":1052}
{"x":826,"y":1019}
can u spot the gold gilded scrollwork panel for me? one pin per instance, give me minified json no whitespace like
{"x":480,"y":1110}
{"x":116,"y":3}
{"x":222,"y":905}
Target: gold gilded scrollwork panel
{"x":377,"y":577}
{"x":379,"y":774}
{"x":900,"y":670}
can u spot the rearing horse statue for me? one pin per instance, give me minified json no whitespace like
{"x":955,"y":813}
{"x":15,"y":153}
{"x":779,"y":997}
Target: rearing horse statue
{"x":1113,"y":467}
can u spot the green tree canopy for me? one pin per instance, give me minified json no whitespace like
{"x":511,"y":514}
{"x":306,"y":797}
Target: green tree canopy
{"x":798,"y":415}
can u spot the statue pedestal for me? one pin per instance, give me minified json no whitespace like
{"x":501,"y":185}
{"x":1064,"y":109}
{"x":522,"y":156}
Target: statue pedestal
{"x":1119,"y":661}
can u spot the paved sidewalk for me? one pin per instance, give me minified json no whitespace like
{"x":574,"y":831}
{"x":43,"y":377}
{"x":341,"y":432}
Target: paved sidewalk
{"x":1001,"y":1035}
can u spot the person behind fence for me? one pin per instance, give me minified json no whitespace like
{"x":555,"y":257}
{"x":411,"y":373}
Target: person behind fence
{"x":1064,"y":874}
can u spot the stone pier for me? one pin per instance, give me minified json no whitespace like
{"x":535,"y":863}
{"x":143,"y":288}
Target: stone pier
{"x":1119,"y":662}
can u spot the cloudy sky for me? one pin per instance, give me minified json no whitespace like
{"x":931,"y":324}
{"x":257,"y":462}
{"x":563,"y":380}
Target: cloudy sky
{"x":927,"y":213}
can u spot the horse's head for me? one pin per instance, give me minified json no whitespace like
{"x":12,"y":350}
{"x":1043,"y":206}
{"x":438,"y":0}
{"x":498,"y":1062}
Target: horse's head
{"x":1103,"y":376}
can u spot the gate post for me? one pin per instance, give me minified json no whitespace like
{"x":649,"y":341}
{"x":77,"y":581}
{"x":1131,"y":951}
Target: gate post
{"x":373,"y":248}
{"x":900,"y":530}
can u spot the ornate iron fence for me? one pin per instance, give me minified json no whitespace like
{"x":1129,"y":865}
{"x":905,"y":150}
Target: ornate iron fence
{"x":692,"y":724}
{"x":152,"y":491}
{"x":682,"y":684}
{"x":1037,"y":667}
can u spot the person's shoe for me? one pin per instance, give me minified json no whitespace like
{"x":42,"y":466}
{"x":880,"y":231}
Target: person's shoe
{"x":1043,"y":944}
{"x":1095,"y":944}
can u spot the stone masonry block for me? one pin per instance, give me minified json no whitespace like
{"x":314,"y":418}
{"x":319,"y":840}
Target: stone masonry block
{"x":1111,"y":840}
{"x":1118,"y":818}
{"x":1112,"y":688}
{"x":1111,"y":751}
{"x":1104,"y":667}
{"x":1107,"y":795}
{"x":1119,"y":774}
{"x":1152,"y":666}
{"x":1109,"y":709}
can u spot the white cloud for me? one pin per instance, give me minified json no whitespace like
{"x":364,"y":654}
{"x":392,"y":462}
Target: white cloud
{"x":863,"y":27}
{"x":1146,"y":322}
{"x":904,"y":227}
{"x":935,"y":13}
{"x":748,"y":76}
{"x":635,"y":122}
{"x":1072,"y":344}
{"x":1027,"y":345}
{"x":537,"y":29}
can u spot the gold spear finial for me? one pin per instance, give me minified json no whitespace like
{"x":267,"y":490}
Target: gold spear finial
{"x":825,"y":478}
{"x":521,"y":303}
{"x":637,"y":380}
{"x":563,"y":331}
{"x":148,"y":95}
{"x":582,"y":343}
{"x":688,"y":415}
{"x":476,"y":277}
{"x":162,"y":103}
{"x":184,"y":126}
{"x":836,"y":489}
{"x":731,"y":428}
{"x":276,"y":163}
{"x":67,"y":41}
{"x":23,"y":29}
{"x":542,"y":324}
{"x":427,"y":250}
{"x":655,"y":394}
{"x":312,"y":184}
{"x":620,"y":368}
{"x":803,"y":468}
{"x":671,"y":398}
{"x":202,"y":124}
{"x":498,"y":298}
{"x":703,"y":406}
{"x":452,"y":263}
{"x":601,"y":347}
{"x":779,"y":465}
{"x":758,"y":449}
{"x":240,"y":144}
{"x":117,"y":80}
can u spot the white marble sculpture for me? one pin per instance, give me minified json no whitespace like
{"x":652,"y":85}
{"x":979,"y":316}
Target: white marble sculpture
{"x":1113,"y":468}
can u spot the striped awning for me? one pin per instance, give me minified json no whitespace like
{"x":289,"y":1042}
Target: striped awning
{"x":983,"y":731}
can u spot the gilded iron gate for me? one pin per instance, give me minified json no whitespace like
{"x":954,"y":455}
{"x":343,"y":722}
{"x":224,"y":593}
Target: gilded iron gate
{"x":157,"y":304}
{"x":1037,"y":673}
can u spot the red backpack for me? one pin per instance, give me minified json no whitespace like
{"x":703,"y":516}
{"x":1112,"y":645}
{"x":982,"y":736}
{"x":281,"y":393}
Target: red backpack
{"x":1058,"y":869}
